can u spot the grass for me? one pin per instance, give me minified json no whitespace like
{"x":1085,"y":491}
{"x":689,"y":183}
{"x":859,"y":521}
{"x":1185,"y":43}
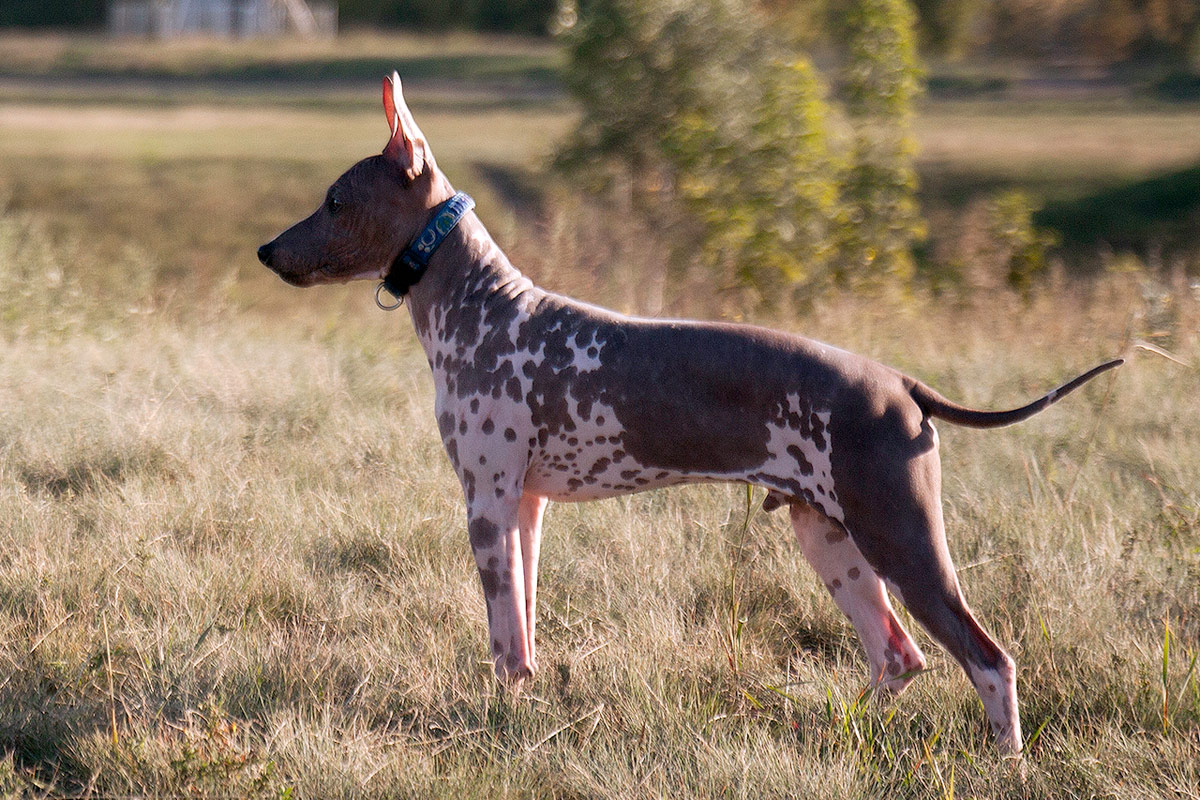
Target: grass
{"x":233,"y":559}
{"x":356,"y":56}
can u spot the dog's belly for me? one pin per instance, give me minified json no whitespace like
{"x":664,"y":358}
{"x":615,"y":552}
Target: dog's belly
{"x":599,"y":458}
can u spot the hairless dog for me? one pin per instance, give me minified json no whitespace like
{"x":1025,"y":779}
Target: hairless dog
{"x":540,"y":397}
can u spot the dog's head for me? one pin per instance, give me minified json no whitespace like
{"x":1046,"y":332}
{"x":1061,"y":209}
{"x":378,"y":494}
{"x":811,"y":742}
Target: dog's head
{"x":370,"y":213}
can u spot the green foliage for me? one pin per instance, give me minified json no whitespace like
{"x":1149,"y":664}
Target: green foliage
{"x":882,"y":74}
{"x":767,"y":203}
{"x":881,"y":79}
{"x":718,"y":129}
{"x":1018,"y":245}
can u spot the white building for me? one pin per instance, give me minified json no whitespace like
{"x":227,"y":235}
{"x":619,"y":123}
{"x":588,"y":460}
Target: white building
{"x":165,"y":19}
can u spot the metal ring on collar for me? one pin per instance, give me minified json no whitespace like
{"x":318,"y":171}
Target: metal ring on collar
{"x":399,"y":300}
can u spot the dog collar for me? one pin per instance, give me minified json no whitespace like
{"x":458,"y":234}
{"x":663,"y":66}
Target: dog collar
{"x":410,"y":265}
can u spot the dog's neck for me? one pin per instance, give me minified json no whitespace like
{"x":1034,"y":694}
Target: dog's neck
{"x":468,"y":270}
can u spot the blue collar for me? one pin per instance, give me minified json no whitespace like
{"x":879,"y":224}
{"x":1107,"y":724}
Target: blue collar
{"x":410,"y":265}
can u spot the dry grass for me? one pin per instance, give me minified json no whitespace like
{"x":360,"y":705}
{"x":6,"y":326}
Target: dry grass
{"x":233,"y":558}
{"x":232,"y":562}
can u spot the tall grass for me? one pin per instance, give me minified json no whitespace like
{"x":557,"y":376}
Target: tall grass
{"x":232,"y":563}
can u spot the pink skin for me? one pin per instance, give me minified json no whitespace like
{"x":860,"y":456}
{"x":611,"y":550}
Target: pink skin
{"x":893,"y":656}
{"x":502,"y":570}
{"x":529,"y":519}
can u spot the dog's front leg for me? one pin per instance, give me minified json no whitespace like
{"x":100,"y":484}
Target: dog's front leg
{"x":496,"y":542}
{"x":529,"y":516}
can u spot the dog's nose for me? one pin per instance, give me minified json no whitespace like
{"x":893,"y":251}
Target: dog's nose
{"x":264,"y":253}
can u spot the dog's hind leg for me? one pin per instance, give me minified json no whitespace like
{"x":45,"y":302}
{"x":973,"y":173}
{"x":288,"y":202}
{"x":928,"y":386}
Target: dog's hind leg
{"x":896,"y":521}
{"x":893,"y":656}
{"x":923,"y":579}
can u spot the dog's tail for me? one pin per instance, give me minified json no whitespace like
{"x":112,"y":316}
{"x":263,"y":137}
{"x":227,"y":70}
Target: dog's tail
{"x":934,"y":405}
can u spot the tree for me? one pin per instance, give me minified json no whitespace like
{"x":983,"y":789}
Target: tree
{"x":881,"y":78}
{"x":718,"y":131}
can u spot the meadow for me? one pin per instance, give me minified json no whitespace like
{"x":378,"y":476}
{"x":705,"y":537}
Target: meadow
{"x":233,"y":559}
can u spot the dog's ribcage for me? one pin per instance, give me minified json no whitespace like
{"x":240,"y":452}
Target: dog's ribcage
{"x":539,"y":393}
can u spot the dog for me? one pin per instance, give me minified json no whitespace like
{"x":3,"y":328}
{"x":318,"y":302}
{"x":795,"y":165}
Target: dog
{"x":540,"y":397}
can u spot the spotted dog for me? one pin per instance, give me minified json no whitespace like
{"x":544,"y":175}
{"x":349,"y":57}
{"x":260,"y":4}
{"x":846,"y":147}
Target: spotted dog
{"x":540,"y":397}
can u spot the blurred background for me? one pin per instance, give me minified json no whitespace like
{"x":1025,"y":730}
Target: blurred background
{"x":760,"y":154}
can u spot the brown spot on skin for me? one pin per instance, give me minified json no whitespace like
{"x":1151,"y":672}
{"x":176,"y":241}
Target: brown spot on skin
{"x":488,"y":427}
{"x":991,"y":687}
{"x":893,"y":668}
{"x":510,"y":435}
{"x":462,"y":428}
{"x":835,"y":535}
{"x":490,"y":581}
{"x":853,"y":573}
{"x":837,"y":584}
{"x":496,"y":646}
{"x":806,"y":467}
{"x":475,"y":405}
{"x":468,"y":479}
{"x":483,"y":533}
{"x":817,"y":432}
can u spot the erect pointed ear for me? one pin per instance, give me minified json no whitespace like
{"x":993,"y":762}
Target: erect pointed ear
{"x":407,"y":146}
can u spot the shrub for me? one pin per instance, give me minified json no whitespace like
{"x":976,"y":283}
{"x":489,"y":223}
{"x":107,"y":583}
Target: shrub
{"x":712,"y":126}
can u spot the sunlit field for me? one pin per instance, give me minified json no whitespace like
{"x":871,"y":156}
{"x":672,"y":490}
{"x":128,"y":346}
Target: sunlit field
{"x":233,"y":559}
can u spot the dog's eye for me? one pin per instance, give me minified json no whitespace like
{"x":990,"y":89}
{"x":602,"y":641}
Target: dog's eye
{"x":333,"y":203}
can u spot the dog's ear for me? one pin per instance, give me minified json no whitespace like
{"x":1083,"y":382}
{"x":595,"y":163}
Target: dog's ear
{"x":407,"y":145}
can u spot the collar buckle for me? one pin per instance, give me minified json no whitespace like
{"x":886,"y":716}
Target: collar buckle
{"x":379,"y":301}
{"x":410,"y":264}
